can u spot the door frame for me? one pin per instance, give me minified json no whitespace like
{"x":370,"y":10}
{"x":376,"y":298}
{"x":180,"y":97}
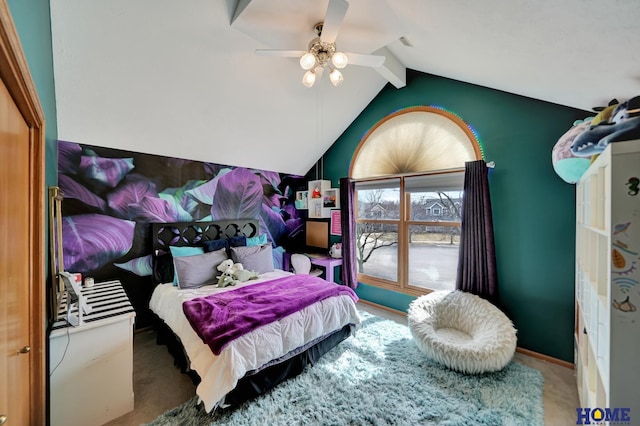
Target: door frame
{"x":15,"y":74}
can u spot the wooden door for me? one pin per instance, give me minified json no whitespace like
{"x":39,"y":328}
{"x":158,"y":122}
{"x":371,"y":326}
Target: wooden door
{"x":14,"y":271}
{"x":22,"y":242}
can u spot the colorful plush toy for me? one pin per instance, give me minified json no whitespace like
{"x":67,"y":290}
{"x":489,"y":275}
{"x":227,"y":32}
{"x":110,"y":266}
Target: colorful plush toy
{"x":567,"y":165}
{"x":623,"y":125}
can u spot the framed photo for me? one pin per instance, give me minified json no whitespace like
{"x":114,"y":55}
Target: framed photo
{"x":302,"y":200}
{"x":336,"y":225}
{"x":331,"y":198}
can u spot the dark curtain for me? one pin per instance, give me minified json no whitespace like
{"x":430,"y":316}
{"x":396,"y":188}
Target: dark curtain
{"x":348,"y":223}
{"x":477,"y":261}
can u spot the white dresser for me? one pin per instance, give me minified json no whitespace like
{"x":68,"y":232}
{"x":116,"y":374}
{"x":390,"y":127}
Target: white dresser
{"x":91,"y":365}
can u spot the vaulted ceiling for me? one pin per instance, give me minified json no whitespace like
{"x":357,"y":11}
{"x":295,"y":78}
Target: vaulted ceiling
{"x":181,"y":78}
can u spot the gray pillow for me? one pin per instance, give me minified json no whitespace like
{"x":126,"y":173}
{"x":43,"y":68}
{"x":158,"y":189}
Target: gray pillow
{"x":199,"y":270}
{"x":255,"y":258}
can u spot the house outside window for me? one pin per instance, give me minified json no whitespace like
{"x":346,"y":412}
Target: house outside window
{"x":409,"y":172}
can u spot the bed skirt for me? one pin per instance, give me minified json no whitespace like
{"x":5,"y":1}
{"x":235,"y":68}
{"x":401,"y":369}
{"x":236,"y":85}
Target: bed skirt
{"x":257,"y":382}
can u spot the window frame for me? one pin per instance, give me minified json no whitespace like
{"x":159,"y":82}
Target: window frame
{"x":403,"y":223}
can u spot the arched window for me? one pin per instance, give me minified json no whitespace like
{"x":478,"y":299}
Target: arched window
{"x":411,"y":164}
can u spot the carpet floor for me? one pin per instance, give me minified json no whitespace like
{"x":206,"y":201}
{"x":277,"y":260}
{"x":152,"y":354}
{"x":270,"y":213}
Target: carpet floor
{"x":379,"y":377}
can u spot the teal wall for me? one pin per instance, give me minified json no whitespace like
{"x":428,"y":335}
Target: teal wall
{"x":33,"y":23}
{"x":533,"y":209}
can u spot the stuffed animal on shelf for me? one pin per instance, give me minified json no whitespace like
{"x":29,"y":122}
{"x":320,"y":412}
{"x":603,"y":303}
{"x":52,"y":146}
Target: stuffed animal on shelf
{"x":623,"y":125}
{"x":566,"y":164}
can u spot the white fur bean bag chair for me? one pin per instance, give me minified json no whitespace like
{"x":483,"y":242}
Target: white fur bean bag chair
{"x":462,"y":331}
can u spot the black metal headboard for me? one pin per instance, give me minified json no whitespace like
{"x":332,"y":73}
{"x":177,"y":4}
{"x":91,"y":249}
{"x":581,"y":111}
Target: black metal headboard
{"x":195,"y":233}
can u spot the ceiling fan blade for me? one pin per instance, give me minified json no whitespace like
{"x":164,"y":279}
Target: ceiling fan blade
{"x":282,"y":53}
{"x":336,"y":11}
{"x":374,"y":61}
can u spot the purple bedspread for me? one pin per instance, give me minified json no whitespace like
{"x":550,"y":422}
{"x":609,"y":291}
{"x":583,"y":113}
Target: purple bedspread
{"x":220,"y":318}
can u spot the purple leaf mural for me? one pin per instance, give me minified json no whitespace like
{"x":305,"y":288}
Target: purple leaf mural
{"x":273,"y":223}
{"x":238,"y":195}
{"x":68,"y":157}
{"x":269,"y":178}
{"x":105,"y":171}
{"x":91,"y":241}
{"x":274,"y":200}
{"x":204,"y":193}
{"x":121,"y":199}
{"x":141,"y":266}
{"x":293,"y":221}
{"x":73,"y":190}
{"x":154,"y":209}
{"x":181,"y":214}
{"x":182,"y":199}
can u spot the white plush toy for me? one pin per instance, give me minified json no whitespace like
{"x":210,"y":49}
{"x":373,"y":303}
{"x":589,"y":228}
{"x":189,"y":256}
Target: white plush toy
{"x":227,"y":279}
{"x":228,"y":264}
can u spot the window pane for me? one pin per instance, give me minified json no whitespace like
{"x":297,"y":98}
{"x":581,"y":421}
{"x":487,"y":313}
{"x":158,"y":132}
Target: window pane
{"x":377,"y":250}
{"x":436,"y":206}
{"x":379,"y":199}
{"x":433,"y":256}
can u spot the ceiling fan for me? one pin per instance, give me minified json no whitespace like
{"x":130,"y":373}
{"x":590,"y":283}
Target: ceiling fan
{"x":322,"y":52}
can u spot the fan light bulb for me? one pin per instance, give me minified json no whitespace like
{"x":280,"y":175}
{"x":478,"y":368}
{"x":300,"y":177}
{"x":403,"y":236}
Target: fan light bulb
{"x":309,"y":78}
{"x":336,"y":77}
{"x":340,"y":60}
{"x":307,"y":61}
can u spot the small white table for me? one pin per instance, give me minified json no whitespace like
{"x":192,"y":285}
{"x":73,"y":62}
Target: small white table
{"x":91,"y":365}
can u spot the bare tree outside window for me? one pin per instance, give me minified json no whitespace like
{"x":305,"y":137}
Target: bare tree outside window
{"x":382,"y":207}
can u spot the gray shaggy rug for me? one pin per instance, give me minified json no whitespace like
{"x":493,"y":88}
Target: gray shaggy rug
{"x":380,"y":377}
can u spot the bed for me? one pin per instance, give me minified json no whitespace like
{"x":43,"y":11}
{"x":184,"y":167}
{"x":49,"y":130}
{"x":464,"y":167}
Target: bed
{"x":281,"y":322}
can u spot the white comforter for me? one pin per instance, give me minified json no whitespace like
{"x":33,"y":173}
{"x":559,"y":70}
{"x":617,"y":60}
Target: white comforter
{"x":221,"y":373}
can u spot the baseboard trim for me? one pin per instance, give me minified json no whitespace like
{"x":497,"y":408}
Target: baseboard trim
{"x":543,"y":357}
{"x":523,"y":351}
{"x":382,"y":307}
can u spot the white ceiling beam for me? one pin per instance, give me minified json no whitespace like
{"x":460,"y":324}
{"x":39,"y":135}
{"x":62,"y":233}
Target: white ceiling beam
{"x":392,"y":69}
{"x":240,"y":6}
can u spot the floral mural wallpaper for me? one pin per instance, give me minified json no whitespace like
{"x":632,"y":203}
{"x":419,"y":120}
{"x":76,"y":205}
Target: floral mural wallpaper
{"x":111,"y":197}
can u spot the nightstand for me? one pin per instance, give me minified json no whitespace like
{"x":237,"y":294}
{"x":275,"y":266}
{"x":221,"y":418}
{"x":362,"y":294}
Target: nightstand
{"x":91,"y":365}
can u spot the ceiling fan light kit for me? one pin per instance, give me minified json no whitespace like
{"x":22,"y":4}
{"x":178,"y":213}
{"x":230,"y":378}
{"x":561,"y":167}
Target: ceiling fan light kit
{"x":336,"y":77}
{"x":321,"y":52}
{"x":309,"y":78}
{"x":319,"y":55}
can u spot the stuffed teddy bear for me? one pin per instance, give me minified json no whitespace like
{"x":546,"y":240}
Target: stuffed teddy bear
{"x":228,"y":264}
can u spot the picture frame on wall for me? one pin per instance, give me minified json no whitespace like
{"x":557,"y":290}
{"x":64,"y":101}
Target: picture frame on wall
{"x":331,"y":198}
{"x":302,"y":200}
{"x":336,"y":224}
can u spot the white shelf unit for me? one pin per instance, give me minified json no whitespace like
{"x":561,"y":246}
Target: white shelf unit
{"x":317,"y":189}
{"x":91,"y":365}
{"x":607,"y":331}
